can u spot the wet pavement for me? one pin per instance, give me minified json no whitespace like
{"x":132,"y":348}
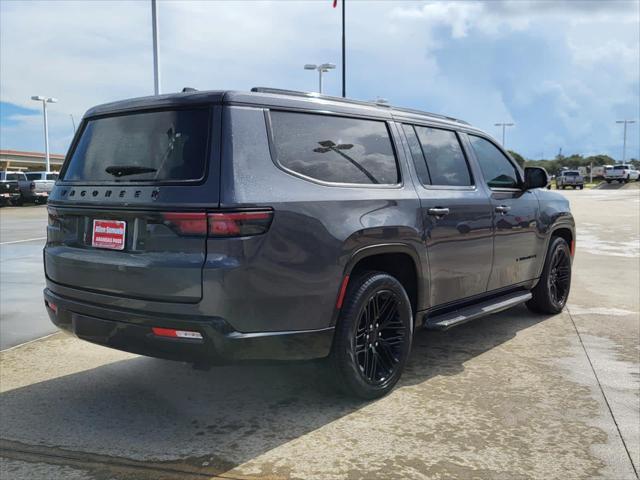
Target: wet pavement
{"x":514,"y":395}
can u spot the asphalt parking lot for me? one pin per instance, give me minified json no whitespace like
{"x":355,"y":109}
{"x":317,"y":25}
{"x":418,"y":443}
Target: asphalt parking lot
{"x":511,"y":396}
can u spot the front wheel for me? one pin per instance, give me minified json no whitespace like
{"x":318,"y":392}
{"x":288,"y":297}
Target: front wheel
{"x":373,"y":336}
{"x":551,"y":293}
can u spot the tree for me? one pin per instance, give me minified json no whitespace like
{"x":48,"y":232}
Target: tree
{"x":517,"y":157}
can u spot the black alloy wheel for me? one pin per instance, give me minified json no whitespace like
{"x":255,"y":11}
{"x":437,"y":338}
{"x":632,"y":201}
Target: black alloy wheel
{"x":559,"y":278}
{"x":373,"y":335}
{"x":552,"y":290}
{"x":379,"y":337}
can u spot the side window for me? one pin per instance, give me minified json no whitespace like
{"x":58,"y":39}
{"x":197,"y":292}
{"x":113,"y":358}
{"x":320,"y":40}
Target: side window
{"x":445,"y":159}
{"x":417,"y":155}
{"x":334,"y":149}
{"x":498,"y":171}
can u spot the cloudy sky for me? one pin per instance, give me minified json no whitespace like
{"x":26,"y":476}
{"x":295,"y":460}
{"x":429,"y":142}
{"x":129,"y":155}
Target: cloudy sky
{"x":564,"y":72}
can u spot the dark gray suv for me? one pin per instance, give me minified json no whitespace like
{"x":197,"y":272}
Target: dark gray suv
{"x":213,"y":227}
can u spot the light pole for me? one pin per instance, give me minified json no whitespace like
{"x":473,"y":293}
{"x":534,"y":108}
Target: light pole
{"x":504,"y":126}
{"x":44,"y":101}
{"x":322,"y":68}
{"x":156,"y":52}
{"x":624,"y":141}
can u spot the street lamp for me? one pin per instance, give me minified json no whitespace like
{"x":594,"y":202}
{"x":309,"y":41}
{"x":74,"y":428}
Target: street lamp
{"x":504,"y":126}
{"x":322,"y":68}
{"x":45,"y":100}
{"x":624,"y":142}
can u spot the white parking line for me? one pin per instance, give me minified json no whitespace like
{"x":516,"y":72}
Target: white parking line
{"x":22,"y":241}
{"x":30,"y":341}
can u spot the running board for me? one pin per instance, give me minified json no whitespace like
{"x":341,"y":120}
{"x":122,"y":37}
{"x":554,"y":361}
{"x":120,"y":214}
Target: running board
{"x":448,"y":320}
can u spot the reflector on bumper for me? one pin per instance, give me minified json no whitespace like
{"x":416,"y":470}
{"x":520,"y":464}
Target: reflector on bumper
{"x":170,"y":332}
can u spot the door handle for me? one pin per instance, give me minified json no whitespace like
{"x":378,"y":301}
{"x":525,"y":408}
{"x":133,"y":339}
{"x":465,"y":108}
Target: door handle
{"x":503,"y":209}
{"x":438,"y":211}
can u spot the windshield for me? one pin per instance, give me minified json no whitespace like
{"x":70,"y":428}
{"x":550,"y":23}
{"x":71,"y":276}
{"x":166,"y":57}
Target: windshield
{"x":142,"y":147}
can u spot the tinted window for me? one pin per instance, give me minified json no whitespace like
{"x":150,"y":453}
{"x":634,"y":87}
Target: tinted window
{"x":151,"y":146}
{"x":498,"y":171}
{"x":33,"y":176}
{"x":334,"y":149}
{"x":416,"y":153}
{"x":445,"y":160}
{"x":52,"y":176}
{"x":15,"y":176}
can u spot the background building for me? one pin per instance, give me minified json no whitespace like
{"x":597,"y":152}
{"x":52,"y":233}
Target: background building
{"x":31,"y":161}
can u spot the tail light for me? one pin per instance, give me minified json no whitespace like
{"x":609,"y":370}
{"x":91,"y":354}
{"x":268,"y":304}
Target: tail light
{"x":219,"y":224}
{"x":32,"y":186}
{"x":239,"y":224}
{"x":186,"y":223}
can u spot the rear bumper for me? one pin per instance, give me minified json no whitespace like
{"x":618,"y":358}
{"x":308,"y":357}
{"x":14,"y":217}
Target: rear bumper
{"x":131,"y":331}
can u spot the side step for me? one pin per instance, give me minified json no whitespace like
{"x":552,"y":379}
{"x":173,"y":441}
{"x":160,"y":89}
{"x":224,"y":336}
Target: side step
{"x":448,"y":320}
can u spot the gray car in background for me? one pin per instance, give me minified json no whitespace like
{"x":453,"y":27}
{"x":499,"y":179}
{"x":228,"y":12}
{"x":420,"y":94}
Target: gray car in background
{"x":214,"y":227}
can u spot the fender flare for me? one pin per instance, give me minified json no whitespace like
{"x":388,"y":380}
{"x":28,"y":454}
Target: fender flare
{"x":382,"y":248}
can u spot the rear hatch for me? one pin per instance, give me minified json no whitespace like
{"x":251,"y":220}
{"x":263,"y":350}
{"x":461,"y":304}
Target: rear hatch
{"x":128,"y":217}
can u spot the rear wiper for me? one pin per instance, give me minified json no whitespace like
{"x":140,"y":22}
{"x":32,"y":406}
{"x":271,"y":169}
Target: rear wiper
{"x":123,"y":170}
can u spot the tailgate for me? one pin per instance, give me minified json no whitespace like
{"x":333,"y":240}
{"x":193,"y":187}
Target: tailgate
{"x":127,"y":215}
{"x":9,"y":187}
{"x":136,"y":254}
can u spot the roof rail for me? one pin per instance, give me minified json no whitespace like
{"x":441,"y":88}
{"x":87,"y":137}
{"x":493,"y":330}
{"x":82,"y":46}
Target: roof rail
{"x":384,"y":104}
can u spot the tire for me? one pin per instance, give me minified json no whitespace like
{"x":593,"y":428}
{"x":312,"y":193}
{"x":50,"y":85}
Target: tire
{"x":608,"y":181}
{"x":548,"y":296}
{"x":364,"y":368}
{"x":580,"y":187}
{"x":574,"y":187}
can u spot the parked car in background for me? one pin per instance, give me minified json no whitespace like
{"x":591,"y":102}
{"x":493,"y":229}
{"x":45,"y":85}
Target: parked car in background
{"x":570,"y":178}
{"x":44,"y":182}
{"x":27,"y":187}
{"x":9,"y":188}
{"x":621,"y":173}
{"x":213,"y":227}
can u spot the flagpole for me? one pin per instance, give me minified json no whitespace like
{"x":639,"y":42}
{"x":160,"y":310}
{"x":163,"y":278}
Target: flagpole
{"x":344,"y":72}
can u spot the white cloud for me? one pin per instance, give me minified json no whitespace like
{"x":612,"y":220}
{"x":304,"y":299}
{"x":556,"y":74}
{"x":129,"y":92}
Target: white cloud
{"x":87,"y":53}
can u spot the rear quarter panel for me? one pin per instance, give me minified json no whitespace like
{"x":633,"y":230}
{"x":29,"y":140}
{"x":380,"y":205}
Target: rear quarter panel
{"x":289,"y":278}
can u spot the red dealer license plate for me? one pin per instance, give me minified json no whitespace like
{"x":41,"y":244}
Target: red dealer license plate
{"x":108,"y":234}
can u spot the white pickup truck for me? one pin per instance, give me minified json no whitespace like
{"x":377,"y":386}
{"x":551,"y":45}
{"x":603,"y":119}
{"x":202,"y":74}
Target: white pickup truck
{"x":621,"y":173}
{"x":44,"y":182}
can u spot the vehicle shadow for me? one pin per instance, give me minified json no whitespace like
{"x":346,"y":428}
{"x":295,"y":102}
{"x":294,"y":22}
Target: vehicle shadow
{"x":153,"y":410}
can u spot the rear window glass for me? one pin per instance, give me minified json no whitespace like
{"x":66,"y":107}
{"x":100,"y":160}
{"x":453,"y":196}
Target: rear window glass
{"x":142,"y":147}
{"x":15,"y":176}
{"x":571,"y":174}
{"x":33,"y":176}
{"x":621,"y":167}
{"x":334,"y":149}
{"x":52,"y":176}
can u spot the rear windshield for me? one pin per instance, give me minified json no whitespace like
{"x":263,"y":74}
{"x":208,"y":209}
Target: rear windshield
{"x":621,"y":167}
{"x":168,"y":145}
{"x":572,"y":174}
{"x":15,"y":176}
{"x":52,"y":176}
{"x":33,"y":176}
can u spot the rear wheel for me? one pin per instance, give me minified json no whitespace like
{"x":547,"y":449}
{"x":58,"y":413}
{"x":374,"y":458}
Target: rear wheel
{"x":551,"y":293}
{"x":373,"y":336}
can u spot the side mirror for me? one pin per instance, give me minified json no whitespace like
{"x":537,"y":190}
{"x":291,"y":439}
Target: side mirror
{"x":535,"y":177}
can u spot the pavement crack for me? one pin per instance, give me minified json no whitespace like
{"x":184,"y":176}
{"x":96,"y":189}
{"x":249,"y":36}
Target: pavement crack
{"x":106,"y":466}
{"x":606,"y":400}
